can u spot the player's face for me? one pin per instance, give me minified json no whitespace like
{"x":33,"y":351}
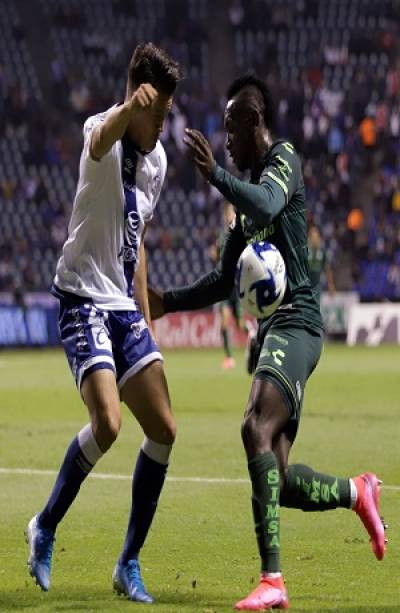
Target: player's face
{"x":239,"y":141}
{"x":150,"y":128}
{"x":314,"y":238}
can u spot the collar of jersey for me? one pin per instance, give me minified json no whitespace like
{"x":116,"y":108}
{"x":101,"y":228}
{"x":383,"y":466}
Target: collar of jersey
{"x":259,"y":166}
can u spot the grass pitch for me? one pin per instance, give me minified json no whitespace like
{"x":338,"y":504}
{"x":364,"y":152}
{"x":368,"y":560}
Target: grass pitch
{"x":201,"y":553}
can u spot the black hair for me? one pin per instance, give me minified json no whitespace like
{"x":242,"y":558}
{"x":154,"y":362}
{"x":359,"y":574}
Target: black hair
{"x":256,"y":88}
{"x":150,"y":64}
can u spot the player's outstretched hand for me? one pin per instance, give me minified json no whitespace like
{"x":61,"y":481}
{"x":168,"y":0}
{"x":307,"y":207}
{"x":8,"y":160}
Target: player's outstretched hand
{"x":201,"y":151}
{"x":156,"y":303}
{"x":143,"y":97}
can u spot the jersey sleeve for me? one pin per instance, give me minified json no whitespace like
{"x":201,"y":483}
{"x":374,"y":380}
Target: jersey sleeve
{"x":90,"y":124}
{"x":158,"y":182}
{"x":264,"y":201}
{"x":215,"y":286}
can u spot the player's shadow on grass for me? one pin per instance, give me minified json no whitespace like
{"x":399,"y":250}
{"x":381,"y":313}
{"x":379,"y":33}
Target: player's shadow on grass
{"x":81,"y":599}
{"x":73,"y":599}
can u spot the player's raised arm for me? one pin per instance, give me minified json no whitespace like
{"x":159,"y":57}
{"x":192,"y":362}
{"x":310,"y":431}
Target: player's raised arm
{"x":105,"y":134}
{"x":263,"y":201}
{"x":213,"y":287}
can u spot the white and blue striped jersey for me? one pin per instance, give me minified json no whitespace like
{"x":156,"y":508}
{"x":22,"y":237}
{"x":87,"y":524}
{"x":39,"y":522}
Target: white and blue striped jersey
{"x":115,"y":198}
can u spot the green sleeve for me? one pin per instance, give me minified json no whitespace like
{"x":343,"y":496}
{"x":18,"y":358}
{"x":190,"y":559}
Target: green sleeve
{"x":213,"y":287}
{"x":278,"y":182}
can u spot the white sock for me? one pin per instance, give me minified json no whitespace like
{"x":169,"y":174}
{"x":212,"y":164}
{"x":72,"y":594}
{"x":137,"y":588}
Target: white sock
{"x":88,"y":445}
{"x":156,"y":451}
{"x":272,"y":575}
{"x":353,"y":494}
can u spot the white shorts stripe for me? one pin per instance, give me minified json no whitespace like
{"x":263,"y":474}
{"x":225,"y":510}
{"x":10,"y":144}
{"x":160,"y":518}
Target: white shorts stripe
{"x":133,"y":370}
{"x":91,"y":362}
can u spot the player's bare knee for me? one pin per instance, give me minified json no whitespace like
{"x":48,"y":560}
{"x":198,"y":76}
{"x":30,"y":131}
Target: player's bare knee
{"x":162,"y":431}
{"x":168,"y":432}
{"x":250,"y":428}
{"x":106,"y":428}
{"x":257,"y":435}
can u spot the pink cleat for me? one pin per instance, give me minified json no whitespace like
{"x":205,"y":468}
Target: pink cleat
{"x":270,"y":593}
{"x":228,"y":363}
{"x":367,"y":508}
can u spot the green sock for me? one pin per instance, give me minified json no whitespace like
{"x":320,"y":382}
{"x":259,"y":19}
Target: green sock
{"x":308,"y":490}
{"x":227,"y":345}
{"x":264,"y":476}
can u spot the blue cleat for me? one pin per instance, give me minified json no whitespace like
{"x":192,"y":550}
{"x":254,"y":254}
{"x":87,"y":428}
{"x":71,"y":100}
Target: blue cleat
{"x":127,"y":580}
{"x":41,"y":542}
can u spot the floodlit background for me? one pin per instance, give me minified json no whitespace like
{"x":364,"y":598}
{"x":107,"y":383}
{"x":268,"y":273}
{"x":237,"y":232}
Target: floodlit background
{"x":333,"y":67}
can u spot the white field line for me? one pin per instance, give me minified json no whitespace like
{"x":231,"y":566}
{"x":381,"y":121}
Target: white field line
{"x":117,"y":477}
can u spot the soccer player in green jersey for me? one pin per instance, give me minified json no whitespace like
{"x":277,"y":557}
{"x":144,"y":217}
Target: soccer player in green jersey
{"x":230,"y":308}
{"x":272,"y":207}
{"x":317,"y":261}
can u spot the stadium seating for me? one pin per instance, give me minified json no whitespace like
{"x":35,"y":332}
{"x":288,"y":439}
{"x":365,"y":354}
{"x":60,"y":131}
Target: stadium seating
{"x":328,"y":64}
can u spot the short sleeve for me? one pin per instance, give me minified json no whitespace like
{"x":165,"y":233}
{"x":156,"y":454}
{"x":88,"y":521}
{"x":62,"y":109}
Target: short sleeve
{"x":158,"y":181}
{"x":90,"y":124}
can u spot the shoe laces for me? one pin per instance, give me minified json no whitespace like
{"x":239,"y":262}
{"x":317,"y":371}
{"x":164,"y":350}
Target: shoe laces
{"x":44,"y":545}
{"x":133,"y":573}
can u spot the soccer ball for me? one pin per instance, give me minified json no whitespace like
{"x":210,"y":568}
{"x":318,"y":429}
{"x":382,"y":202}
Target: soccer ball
{"x":260,"y":279}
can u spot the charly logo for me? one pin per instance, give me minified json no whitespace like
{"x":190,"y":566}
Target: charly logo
{"x":101,"y":337}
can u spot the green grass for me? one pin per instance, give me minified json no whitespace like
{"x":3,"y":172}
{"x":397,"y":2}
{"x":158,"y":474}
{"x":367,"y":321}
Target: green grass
{"x":201,"y":552}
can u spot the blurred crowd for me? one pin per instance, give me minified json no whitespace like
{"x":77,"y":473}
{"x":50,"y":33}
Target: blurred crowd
{"x":338,"y":102}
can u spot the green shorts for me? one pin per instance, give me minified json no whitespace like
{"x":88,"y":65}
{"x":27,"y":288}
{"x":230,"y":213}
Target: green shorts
{"x":289,"y":353}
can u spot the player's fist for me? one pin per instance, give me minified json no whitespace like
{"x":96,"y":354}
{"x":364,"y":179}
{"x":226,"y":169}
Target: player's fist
{"x":156,"y":303}
{"x":143,"y":97}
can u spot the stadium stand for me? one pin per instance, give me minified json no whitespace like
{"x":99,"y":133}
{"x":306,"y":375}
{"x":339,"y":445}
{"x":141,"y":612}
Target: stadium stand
{"x":333,"y":69}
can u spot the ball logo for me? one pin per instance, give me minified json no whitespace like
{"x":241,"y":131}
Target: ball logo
{"x":260,"y":279}
{"x":265,"y":291}
{"x":261,"y":247}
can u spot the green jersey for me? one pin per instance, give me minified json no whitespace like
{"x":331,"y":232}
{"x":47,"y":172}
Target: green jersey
{"x":272,"y":208}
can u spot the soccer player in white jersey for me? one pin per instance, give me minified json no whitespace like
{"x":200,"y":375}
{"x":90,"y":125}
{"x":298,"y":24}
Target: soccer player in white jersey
{"x":101,"y":283}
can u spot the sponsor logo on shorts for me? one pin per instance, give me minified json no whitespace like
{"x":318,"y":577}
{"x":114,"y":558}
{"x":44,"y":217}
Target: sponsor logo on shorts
{"x":138,"y":328}
{"x":101,"y":337}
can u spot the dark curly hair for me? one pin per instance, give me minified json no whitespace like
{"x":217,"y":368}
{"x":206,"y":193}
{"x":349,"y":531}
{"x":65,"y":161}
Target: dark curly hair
{"x":150,"y":64}
{"x":253,"y":87}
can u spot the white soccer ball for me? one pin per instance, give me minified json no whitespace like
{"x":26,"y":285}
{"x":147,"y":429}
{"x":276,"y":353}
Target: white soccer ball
{"x":260,"y":279}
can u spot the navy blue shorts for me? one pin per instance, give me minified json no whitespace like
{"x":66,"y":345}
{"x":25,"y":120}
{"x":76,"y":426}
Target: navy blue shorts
{"x":94,"y":339}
